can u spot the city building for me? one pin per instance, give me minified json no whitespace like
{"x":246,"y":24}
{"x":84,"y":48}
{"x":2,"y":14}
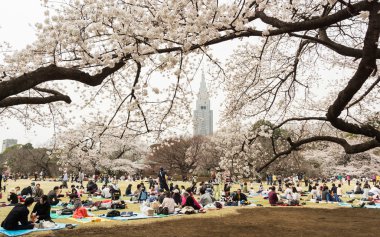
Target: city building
{"x":8,"y":143}
{"x":203,"y":115}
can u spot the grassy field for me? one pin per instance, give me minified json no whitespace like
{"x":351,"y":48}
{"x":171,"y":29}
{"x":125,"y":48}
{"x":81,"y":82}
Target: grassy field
{"x":243,"y":220}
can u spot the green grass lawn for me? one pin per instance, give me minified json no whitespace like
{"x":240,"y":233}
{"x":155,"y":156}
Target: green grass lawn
{"x":48,"y":185}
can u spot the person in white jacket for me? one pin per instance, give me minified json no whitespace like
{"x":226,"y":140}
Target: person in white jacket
{"x":106,"y":192}
{"x":168,"y":202}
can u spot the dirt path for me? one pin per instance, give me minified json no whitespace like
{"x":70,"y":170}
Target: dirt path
{"x":261,"y":222}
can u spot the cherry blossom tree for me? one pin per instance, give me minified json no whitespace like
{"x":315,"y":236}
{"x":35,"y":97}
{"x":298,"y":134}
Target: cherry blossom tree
{"x":115,"y":50}
{"x":82,"y":149}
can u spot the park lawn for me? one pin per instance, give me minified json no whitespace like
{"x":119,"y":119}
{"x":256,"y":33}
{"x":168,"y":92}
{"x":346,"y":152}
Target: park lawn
{"x":223,"y":215}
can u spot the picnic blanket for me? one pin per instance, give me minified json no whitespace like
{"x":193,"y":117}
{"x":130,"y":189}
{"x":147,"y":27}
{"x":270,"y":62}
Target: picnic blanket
{"x":344,"y":204}
{"x":24,"y":232}
{"x":137,"y":216}
{"x":56,"y":216}
{"x":372,"y":206}
{"x":60,"y":206}
{"x":88,"y":219}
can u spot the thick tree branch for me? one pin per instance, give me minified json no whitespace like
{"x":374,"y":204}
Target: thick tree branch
{"x":364,"y":71}
{"x":349,"y":149}
{"x":19,"y":100}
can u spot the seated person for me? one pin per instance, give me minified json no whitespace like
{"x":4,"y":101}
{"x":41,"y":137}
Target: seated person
{"x":27,"y":192}
{"x":334,"y":193}
{"x":196,"y":203}
{"x":169,"y":203}
{"x":13,"y":198}
{"x":79,"y":210}
{"x":136,"y":193}
{"x":358,"y":189}
{"x":161,"y":195}
{"x":374,"y":192}
{"x":53,"y":196}
{"x":128,"y":191}
{"x":142,"y":196}
{"x":189,"y":201}
{"x":115,"y":192}
{"x":42,"y":209}
{"x":296,"y":197}
{"x":38,"y":192}
{"x":19,"y":214}
{"x":205,"y":198}
{"x":288,"y":192}
{"x":314,"y":193}
{"x":299,"y":189}
{"x":106,"y":192}
{"x":92,"y":187}
{"x":239,"y":196}
{"x":73,"y":194}
{"x":18,"y":191}
{"x":326,"y":194}
{"x":272,"y":196}
{"x":177,"y":197}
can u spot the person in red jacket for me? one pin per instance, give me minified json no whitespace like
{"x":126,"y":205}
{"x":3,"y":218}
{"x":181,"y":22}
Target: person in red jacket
{"x":80,"y":211}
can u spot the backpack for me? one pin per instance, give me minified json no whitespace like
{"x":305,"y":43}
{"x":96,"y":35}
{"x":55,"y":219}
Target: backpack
{"x":187,"y":210}
{"x":116,"y":195}
{"x":118,"y":206}
{"x":163,"y":210}
{"x":67,"y":212}
{"x":113,"y":213}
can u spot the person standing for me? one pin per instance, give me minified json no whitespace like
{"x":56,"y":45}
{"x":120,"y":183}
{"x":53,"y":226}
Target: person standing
{"x":81,"y":179}
{"x":162,"y":179}
{"x":348,"y":178}
{"x":1,"y":180}
{"x":65,"y":178}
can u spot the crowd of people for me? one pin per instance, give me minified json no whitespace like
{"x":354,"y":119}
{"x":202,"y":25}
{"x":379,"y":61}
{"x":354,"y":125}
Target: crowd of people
{"x":167,"y":198}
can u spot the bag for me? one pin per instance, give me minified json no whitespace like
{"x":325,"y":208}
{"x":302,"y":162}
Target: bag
{"x":46,"y":225}
{"x":187,"y":210}
{"x":218,"y":205}
{"x":118,"y":206}
{"x":113,"y":213}
{"x":116,"y":195}
{"x":163,"y":210}
{"x":106,"y":205}
{"x":67,"y":212}
{"x":155,"y":206}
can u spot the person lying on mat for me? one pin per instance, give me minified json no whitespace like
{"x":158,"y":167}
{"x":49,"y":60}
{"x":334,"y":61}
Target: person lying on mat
{"x":20,"y":214}
{"x":42,"y":209}
{"x":79,"y":210}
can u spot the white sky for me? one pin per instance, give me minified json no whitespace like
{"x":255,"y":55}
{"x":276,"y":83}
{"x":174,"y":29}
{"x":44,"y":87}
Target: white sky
{"x":17,"y":20}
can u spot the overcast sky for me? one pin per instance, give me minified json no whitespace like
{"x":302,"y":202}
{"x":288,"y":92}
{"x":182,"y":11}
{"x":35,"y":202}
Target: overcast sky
{"x":17,"y":20}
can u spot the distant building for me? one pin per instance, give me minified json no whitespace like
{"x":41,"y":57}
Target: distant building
{"x":8,"y":143}
{"x":203,"y":115}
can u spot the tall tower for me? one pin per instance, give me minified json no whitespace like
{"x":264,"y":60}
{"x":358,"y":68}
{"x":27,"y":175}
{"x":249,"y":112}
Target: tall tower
{"x":203,"y":115}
